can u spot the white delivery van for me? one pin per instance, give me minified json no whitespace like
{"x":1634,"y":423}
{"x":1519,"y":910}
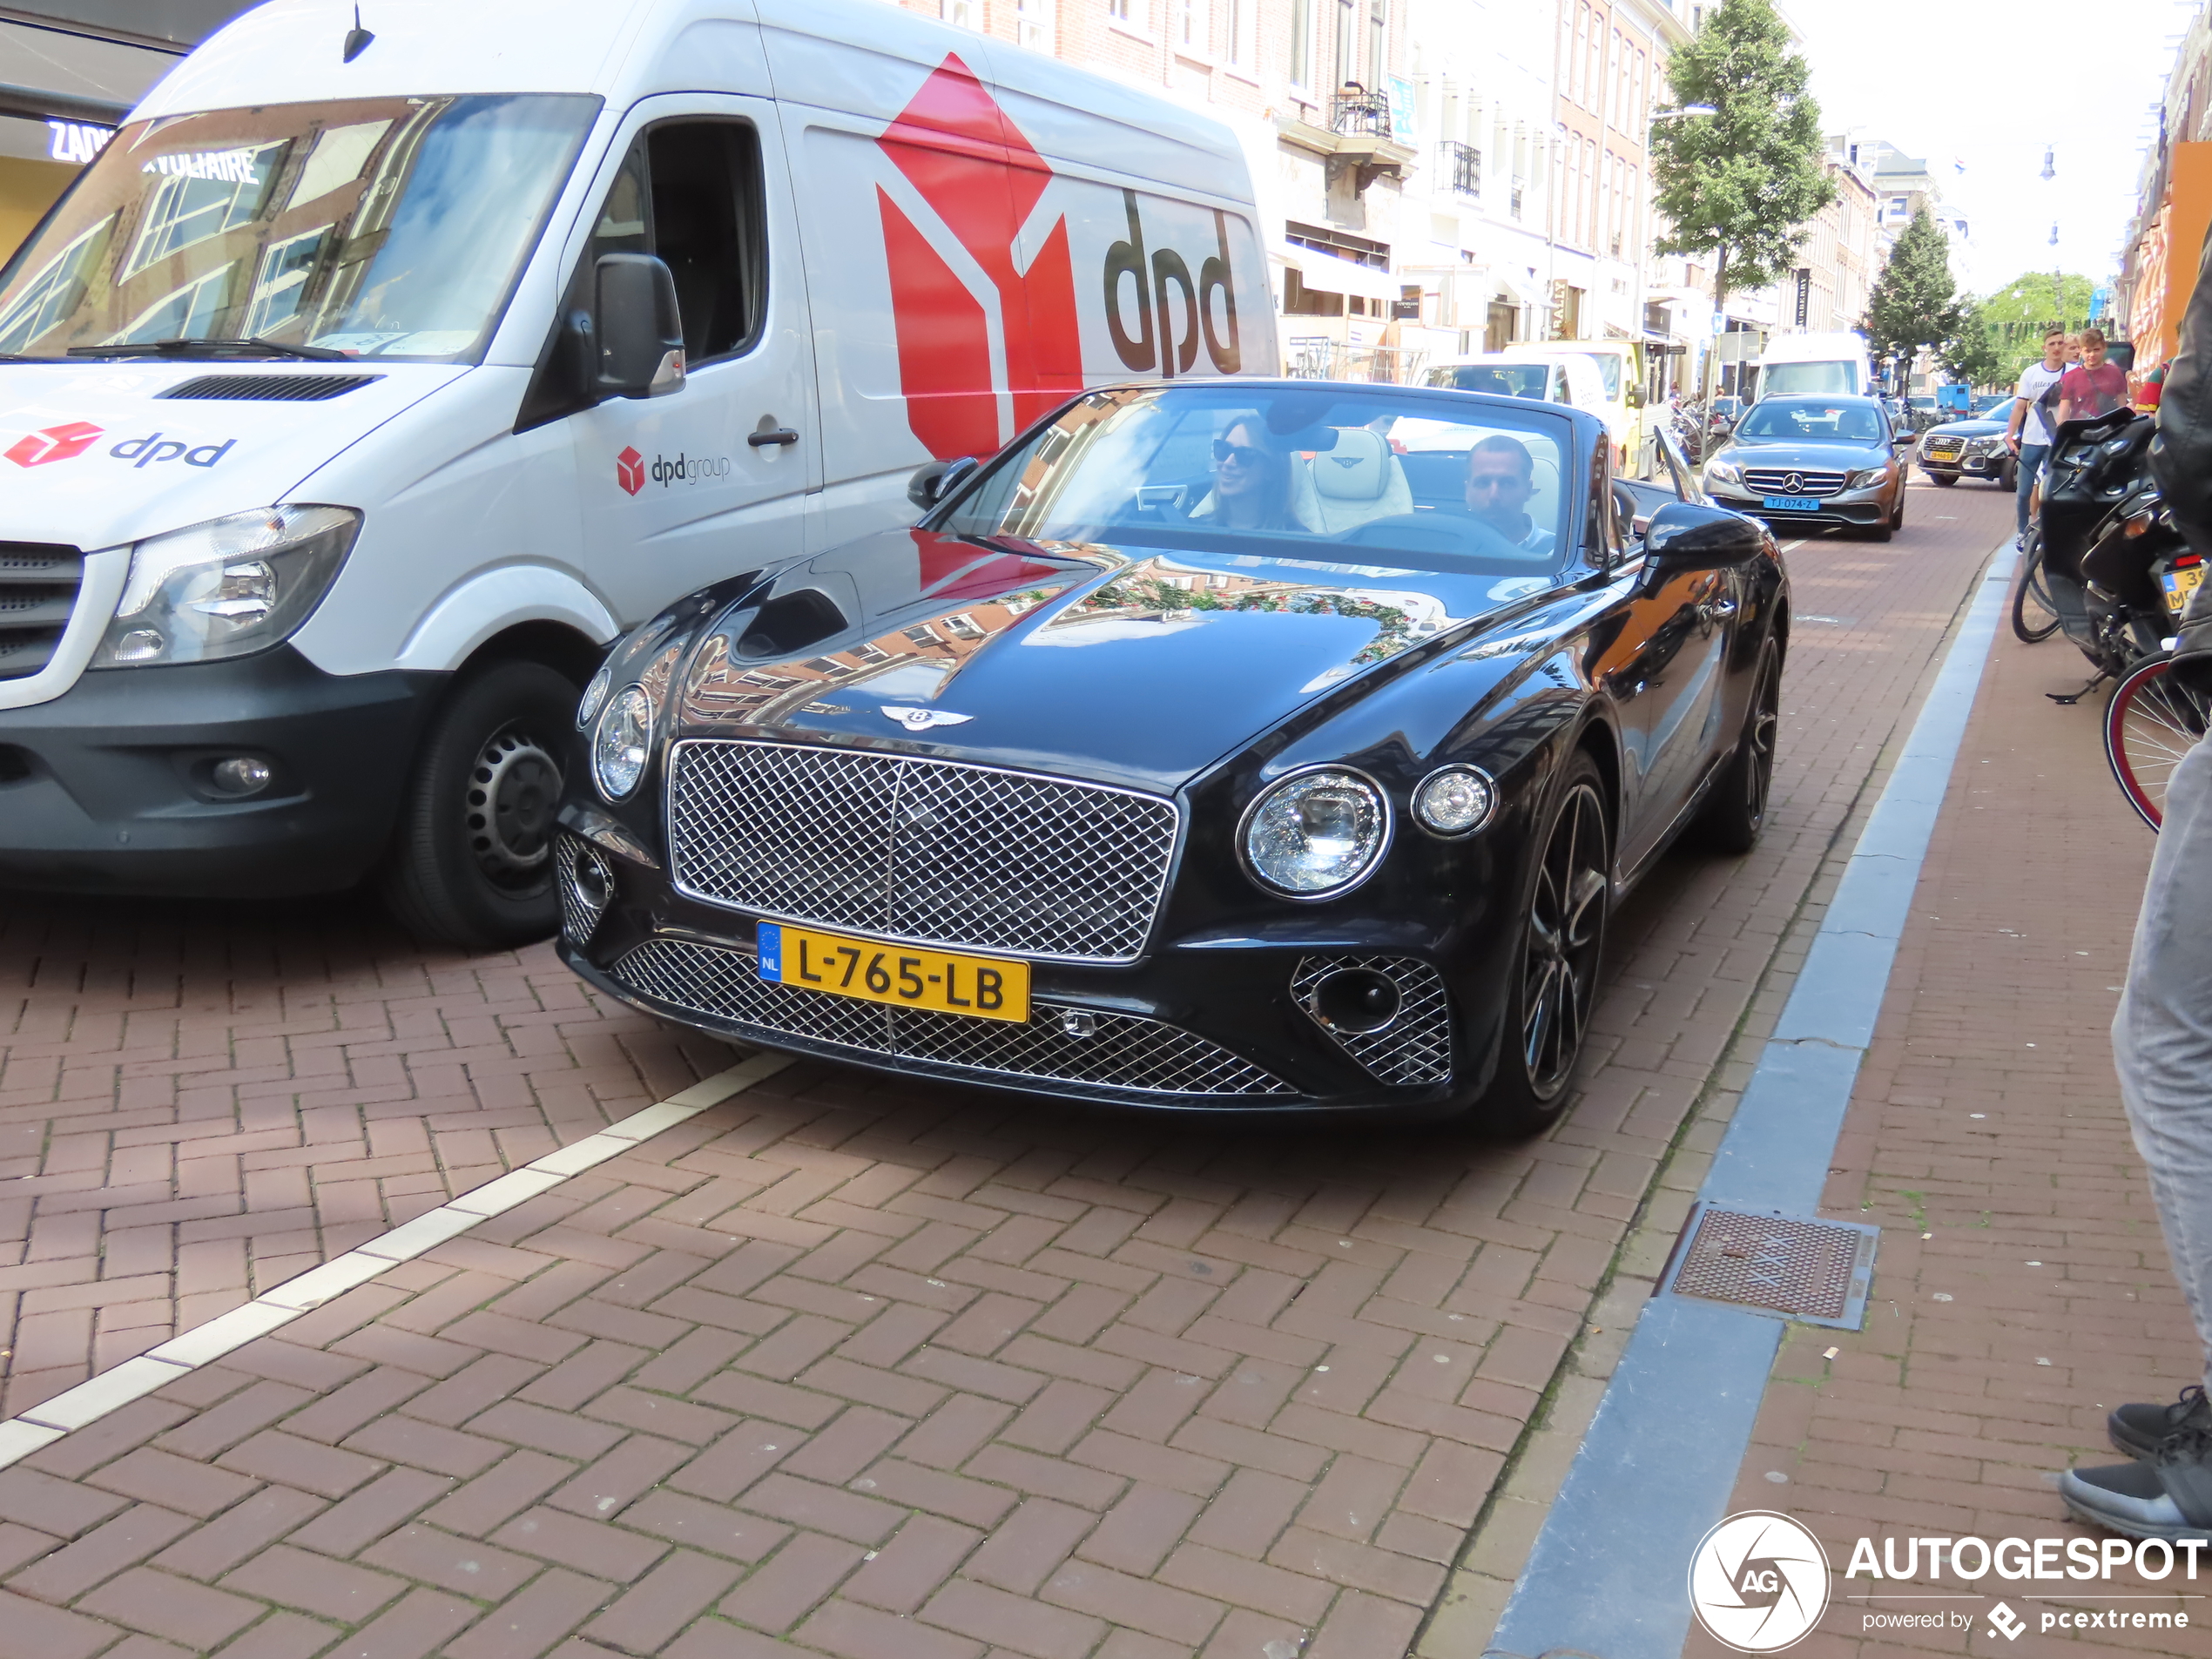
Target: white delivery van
{"x":1816,"y":365}
{"x":1572,"y":378}
{"x":372,"y":380}
{"x":1620,"y":363}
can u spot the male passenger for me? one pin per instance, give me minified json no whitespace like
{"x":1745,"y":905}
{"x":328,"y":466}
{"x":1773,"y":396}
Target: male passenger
{"x":1502,"y":476}
{"x":2096,"y":388}
{"x":2030,"y":433}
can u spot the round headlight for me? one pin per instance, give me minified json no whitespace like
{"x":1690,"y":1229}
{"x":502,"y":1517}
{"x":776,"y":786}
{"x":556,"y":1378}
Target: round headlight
{"x":1316,"y":834}
{"x":1454,"y":801}
{"x":594,"y":695}
{"x":622,"y":742}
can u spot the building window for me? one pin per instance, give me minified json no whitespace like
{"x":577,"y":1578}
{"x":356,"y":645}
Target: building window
{"x":1378,"y":43}
{"x":1347,"y":70}
{"x":1187,"y":32}
{"x":1462,"y":163}
{"x":1240,"y":24}
{"x":1301,"y":43}
{"x":1033,"y":24}
{"x":961,"y":14}
{"x":1117,"y":9}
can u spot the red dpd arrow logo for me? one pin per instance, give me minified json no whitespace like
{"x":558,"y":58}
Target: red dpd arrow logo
{"x":53,"y":443}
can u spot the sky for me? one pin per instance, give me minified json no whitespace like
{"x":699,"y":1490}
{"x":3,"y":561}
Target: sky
{"x":2083,"y":78}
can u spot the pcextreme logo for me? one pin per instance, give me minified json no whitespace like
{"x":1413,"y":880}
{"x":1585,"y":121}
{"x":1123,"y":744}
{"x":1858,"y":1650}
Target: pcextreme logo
{"x":1759,"y":1581}
{"x":983,"y":179}
{"x":63,"y":442}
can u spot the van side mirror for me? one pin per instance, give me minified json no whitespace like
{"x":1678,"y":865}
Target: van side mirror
{"x":1635,"y":397}
{"x":1685,"y":536}
{"x":637,"y":327}
{"x":932,"y":483}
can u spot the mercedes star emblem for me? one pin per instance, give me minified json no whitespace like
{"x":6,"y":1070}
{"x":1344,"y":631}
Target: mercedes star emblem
{"x":922,"y":719}
{"x":1794,"y":484}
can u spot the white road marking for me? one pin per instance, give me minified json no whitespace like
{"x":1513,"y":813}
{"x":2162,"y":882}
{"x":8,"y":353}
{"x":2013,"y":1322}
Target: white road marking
{"x":46,"y":1422}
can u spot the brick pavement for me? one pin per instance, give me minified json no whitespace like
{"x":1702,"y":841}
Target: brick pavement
{"x":2021,"y":1288}
{"x":843,"y":1366}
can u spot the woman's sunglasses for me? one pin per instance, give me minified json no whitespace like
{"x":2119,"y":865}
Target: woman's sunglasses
{"x":1246,"y":455}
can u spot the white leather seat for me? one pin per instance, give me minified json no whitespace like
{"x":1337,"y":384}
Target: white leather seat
{"x":1352,"y":484}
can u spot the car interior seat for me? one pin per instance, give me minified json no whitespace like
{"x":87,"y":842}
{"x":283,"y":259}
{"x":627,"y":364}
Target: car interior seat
{"x":1358,"y":480}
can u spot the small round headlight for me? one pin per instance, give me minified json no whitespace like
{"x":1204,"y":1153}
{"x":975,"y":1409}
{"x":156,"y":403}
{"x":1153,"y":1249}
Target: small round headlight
{"x":1316,"y":834}
{"x":622,"y":742}
{"x":594,"y":695}
{"x":1454,"y":801}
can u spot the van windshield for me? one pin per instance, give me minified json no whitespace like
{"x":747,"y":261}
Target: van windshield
{"x":1810,"y":380}
{"x":1502,"y":380}
{"x":381,"y":227}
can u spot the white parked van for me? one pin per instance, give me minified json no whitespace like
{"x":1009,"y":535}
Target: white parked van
{"x":1619,"y":365}
{"x":370,"y":383}
{"x":1572,"y":378}
{"x":1823,"y":365}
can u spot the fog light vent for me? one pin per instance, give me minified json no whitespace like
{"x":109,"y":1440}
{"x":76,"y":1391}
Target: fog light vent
{"x":587,"y":887}
{"x":1389,"y":1013}
{"x":1815,"y":1272}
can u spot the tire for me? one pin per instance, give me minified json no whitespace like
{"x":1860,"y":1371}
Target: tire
{"x":2152,"y":721}
{"x":1557,"y":959}
{"x":1897,"y":518}
{"x":1945,"y":480}
{"x":1734,"y":810}
{"x":1880,"y":532}
{"x":471,"y":862}
{"x":2031,"y":598}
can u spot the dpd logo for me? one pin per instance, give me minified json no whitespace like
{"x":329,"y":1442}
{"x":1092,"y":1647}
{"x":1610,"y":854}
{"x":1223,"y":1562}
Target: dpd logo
{"x":55,"y":443}
{"x":630,"y":470}
{"x":1759,"y":1581}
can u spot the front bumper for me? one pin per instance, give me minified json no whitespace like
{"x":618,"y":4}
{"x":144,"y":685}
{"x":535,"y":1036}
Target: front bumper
{"x":1847,"y":509}
{"x":108,"y":789}
{"x":1991,"y":465}
{"x":1203,"y":1025}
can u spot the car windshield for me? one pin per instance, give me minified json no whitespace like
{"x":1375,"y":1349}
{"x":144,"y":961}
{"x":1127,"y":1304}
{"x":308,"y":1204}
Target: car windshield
{"x":1503,"y":380}
{"x":1290,"y":472}
{"x":1785,"y":380}
{"x":388,"y":227}
{"x":1812,"y":423}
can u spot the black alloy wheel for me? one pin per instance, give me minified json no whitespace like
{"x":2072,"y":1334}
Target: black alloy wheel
{"x":1562,"y":945}
{"x":1735,"y":812}
{"x":472,"y":860}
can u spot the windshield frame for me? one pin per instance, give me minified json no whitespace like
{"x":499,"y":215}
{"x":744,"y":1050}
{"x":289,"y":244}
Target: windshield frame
{"x":117,"y":234}
{"x":1582,"y":544}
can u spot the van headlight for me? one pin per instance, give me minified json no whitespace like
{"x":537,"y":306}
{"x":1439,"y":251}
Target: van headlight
{"x":1315,"y":833}
{"x":227,"y":588}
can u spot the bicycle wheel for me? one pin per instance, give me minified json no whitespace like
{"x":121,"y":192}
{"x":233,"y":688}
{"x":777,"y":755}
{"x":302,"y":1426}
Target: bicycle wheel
{"x":2151,"y":723}
{"x":2035,"y":618}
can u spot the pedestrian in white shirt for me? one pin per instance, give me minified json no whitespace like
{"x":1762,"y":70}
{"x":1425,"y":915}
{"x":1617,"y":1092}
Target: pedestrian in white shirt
{"x":2030,"y":433}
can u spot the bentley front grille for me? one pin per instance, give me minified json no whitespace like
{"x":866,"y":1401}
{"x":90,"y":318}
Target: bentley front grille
{"x":38,"y":584}
{"x":932,"y":852}
{"x":586,"y":885}
{"x":1781,"y":481}
{"x":1415,"y":1047}
{"x":1123,"y":1054}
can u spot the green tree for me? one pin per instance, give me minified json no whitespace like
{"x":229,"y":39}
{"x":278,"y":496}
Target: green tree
{"x":1915,"y":301}
{"x":1741,"y":185}
{"x":1975,"y":353}
{"x":2023,"y":310}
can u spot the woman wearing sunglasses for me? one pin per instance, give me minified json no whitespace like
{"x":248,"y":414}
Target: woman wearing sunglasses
{"x":1251,"y":482}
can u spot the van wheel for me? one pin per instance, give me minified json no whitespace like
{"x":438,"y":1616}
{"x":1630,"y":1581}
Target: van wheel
{"x":472,"y":861}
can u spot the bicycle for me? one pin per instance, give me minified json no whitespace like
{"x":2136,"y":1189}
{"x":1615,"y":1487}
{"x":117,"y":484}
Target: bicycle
{"x":2151,"y":723}
{"x":2031,"y":598}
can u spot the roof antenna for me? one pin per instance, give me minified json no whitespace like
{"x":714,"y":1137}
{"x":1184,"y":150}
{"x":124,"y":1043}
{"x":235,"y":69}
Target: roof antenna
{"x":357,"y":38}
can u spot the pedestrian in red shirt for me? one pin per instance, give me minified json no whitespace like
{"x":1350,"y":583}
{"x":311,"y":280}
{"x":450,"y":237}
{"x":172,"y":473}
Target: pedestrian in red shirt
{"x":2097,"y":387}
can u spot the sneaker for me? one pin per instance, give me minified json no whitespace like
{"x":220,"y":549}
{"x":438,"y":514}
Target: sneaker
{"x":2168,"y":1495}
{"x":2136,"y":1430}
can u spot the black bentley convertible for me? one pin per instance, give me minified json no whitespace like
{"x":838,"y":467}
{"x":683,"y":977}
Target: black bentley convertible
{"x":1275,"y":746}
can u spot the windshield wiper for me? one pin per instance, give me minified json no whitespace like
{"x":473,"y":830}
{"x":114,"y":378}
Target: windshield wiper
{"x":253,"y":345}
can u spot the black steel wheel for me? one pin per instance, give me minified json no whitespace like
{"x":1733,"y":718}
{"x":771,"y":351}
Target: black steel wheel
{"x":2036,"y":617}
{"x":472,"y":861}
{"x":1735,"y":812}
{"x":1562,"y":946}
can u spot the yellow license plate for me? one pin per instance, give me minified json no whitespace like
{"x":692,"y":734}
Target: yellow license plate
{"x":2181,"y":583}
{"x":983,"y":988}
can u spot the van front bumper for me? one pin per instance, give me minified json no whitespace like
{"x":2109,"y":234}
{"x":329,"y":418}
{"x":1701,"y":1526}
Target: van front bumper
{"x":111,"y":788}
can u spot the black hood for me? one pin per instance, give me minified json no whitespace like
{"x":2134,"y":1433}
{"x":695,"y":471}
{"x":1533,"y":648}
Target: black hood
{"x":1133,"y":664}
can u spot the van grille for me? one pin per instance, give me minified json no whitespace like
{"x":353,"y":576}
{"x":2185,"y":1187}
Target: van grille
{"x":270,"y":388}
{"x":38,"y":584}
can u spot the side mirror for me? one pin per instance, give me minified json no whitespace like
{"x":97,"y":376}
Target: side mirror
{"x":1904,"y":440}
{"x":1685,"y":536}
{"x":1635,"y":397}
{"x":932,"y":484}
{"x":639,"y":335}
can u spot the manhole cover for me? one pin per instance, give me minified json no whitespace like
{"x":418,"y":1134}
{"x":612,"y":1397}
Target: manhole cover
{"x":1816,"y":1271}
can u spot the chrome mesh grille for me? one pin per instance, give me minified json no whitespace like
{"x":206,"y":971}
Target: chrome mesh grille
{"x":936,"y":852}
{"x":579,"y":912}
{"x":1125,"y":1054}
{"x":1775,"y":481}
{"x":1416,"y":1046}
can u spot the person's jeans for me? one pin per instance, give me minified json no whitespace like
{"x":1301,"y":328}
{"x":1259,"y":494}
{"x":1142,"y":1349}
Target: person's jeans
{"x":2033,"y":456}
{"x":2161,"y":1036}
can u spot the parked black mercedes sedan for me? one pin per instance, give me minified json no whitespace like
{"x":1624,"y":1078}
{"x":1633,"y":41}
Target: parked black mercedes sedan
{"x":1822,"y":463}
{"x":1249,"y":745}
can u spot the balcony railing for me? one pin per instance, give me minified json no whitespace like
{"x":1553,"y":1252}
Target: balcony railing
{"x":1360,"y":112}
{"x":1462,"y":163}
